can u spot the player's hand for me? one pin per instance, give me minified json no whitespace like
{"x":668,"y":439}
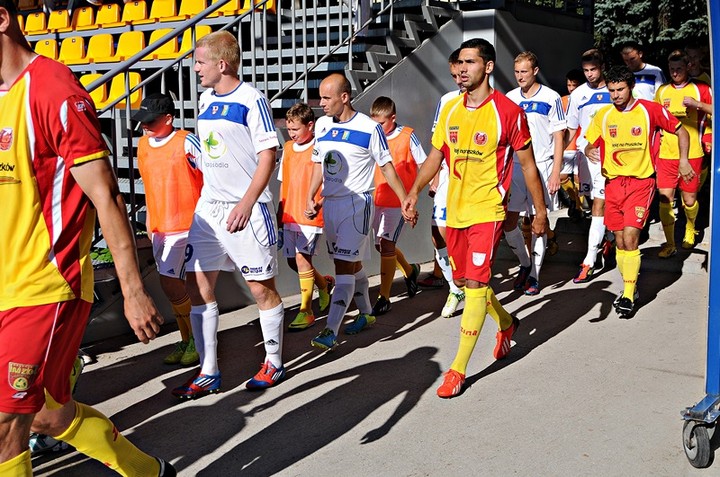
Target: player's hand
{"x":409,"y":212}
{"x":594,"y":155}
{"x":312,"y":208}
{"x":553,"y":184}
{"x":540,"y":224}
{"x":143,"y":316}
{"x":281,"y":238}
{"x":685,"y":171}
{"x":690,"y":102}
{"x":239,"y":217}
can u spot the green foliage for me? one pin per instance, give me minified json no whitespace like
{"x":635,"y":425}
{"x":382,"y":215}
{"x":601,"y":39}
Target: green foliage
{"x":659,"y":25}
{"x":101,"y":256}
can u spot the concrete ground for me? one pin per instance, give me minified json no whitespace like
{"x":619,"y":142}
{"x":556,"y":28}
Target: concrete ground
{"x":583,"y":392}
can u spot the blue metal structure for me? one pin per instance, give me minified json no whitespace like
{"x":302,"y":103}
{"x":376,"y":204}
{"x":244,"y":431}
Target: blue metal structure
{"x":700,"y":420}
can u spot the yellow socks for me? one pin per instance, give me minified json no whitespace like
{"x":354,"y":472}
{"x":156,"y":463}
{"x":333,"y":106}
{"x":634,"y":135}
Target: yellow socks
{"x":307,"y":282}
{"x":387,"y":273}
{"x":620,"y":260}
{"x":630,"y":272}
{"x":95,"y":436}
{"x":667,"y":218}
{"x":471,"y":323}
{"x":569,"y":187}
{"x":18,"y":466}
{"x":402,"y":264}
{"x":691,"y":214}
{"x":496,"y":311}
{"x":181,"y":310}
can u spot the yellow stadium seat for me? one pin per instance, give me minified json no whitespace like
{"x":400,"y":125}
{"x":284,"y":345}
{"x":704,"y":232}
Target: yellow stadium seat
{"x":160,"y":9}
{"x":72,"y":51}
{"x":82,"y":18}
{"x":99,"y":94}
{"x":132,"y":13}
{"x":100,"y":46}
{"x":117,"y":90}
{"x":21,"y":22}
{"x":167,"y":51}
{"x":59,"y":21}
{"x":106,"y":15}
{"x":47,"y":48}
{"x":129,"y":43}
{"x":231,"y":8}
{"x":188,"y":9}
{"x":24,"y":5}
{"x":35,"y":24}
{"x":200,"y":31}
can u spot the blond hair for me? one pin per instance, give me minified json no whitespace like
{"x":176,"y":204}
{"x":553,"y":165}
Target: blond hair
{"x":222,"y":45}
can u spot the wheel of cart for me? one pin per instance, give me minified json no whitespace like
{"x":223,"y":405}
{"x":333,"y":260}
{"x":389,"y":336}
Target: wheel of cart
{"x":697,"y":436}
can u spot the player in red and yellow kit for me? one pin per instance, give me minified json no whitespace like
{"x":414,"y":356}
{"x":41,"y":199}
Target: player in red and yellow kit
{"x":691,"y":102}
{"x":407,"y":154}
{"x":167,"y":160}
{"x":299,"y":233}
{"x":477,"y":134}
{"x":622,"y":137}
{"x":54,"y":165}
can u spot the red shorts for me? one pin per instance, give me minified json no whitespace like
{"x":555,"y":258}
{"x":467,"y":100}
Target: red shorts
{"x":472,"y":250}
{"x":627,"y":202}
{"x":668,"y":176}
{"x":38,"y":345}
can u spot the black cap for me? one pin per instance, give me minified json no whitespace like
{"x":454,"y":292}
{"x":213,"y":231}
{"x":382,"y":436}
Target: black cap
{"x":154,"y":106}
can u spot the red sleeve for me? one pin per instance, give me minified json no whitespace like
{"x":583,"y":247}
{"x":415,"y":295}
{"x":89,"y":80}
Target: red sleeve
{"x":705,"y":94}
{"x":518,"y":129}
{"x":661,"y":117}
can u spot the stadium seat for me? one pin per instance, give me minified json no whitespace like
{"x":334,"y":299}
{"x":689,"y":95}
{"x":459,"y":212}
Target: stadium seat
{"x":82,"y":18}
{"x":58,"y":21}
{"x":47,"y":48}
{"x":100,"y":46}
{"x":200,"y":31}
{"x":167,"y":51}
{"x":72,"y":51}
{"x":25,"y":5}
{"x":132,"y":13}
{"x":106,"y":15}
{"x":35,"y":24}
{"x":21,"y":22}
{"x":99,"y":94}
{"x":117,"y":90}
{"x":188,"y":9}
{"x":129,"y":43}
{"x":231,"y":8}
{"x":160,"y":9}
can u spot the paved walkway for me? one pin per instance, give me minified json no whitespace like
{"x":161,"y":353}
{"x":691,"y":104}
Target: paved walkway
{"x":583,"y":393}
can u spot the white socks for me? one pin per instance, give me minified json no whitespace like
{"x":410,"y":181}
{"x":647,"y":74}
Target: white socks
{"x":204,"y":320}
{"x":341,"y":296}
{"x":271,"y":323}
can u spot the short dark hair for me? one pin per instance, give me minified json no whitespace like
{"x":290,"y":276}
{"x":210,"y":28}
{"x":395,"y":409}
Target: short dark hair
{"x":619,"y":74}
{"x":678,"y":55}
{"x":485,"y":49}
{"x":10,"y":6}
{"x":575,"y":75}
{"x":382,"y":106}
{"x":453,"y":58}
{"x":632,"y":45}
{"x":592,"y":55}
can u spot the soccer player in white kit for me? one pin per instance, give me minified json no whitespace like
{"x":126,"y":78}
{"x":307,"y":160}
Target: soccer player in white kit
{"x":648,"y":78}
{"x":348,"y":144}
{"x":234,"y":224}
{"x":546,"y":119}
{"x":585,"y":101}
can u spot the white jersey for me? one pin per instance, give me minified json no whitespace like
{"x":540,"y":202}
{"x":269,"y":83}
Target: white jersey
{"x":233,"y":128}
{"x":647,"y":81}
{"x":444,"y":170}
{"x":348,"y":152}
{"x":545,"y":116}
{"x":584,"y":103}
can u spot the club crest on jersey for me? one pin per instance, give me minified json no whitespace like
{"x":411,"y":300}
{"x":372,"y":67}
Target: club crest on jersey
{"x":21,"y":376}
{"x":613,"y":130}
{"x":6,"y":139}
{"x":666,"y":103}
{"x":640,"y":212}
{"x":453,"y":133}
{"x":599,"y":97}
{"x":480,"y":138}
{"x":80,"y":106}
{"x":636,"y":131}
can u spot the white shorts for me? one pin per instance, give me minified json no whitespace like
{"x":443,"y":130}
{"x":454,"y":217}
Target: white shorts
{"x":439,"y":214}
{"x":347,"y":226}
{"x":388,"y":223}
{"x":169,"y":250}
{"x":592,"y":182}
{"x":569,"y":165}
{"x":297,"y":241}
{"x":252,"y":250}
{"x":520,"y":199}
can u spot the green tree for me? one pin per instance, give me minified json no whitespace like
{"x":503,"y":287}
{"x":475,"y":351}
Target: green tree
{"x":660,"y":25}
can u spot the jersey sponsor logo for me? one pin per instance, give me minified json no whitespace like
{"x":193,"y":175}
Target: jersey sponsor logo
{"x":21,"y":376}
{"x":636,"y":131}
{"x":5,"y":167}
{"x":245,"y":270}
{"x":480,"y":138}
{"x":613,"y":130}
{"x":332,"y":166}
{"x":6,"y":139}
{"x":4,"y":180}
{"x":214,"y":145}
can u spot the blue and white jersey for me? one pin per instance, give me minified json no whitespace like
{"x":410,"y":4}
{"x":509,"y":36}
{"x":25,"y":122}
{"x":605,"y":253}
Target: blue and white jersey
{"x":348,"y":152}
{"x":545,"y":116}
{"x":647,"y":81}
{"x":584,"y":103}
{"x":444,"y":171}
{"x":233,"y":128}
